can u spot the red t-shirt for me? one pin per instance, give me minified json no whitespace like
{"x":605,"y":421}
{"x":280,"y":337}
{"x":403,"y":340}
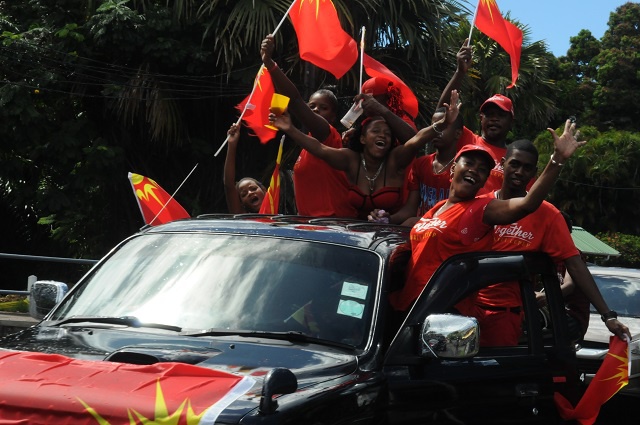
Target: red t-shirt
{"x":434,"y":239}
{"x":543,"y":230}
{"x":431,"y":187}
{"x":320,"y":189}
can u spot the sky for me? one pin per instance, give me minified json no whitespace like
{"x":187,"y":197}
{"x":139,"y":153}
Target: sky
{"x":555,"y":21}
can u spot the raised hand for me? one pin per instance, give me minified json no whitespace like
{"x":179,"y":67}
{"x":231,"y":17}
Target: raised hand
{"x":266,"y":51}
{"x":566,"y":144}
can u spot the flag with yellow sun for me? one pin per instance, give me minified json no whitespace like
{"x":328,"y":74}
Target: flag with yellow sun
{"x":41,"y":388}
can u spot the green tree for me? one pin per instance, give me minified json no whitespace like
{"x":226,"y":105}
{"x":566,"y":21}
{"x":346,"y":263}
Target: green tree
{"x":600,"y":185}
{"x":617,"y":95}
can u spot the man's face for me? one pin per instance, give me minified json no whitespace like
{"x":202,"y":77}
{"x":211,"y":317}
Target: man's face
{"x":495,"y":124}
{"x":519,"y":168}
{"x":450,"y":134}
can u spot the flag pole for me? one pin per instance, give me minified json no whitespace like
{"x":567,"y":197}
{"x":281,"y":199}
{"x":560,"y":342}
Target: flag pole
{"x":361,"y":57}
{"x":256,"y":80}
{"x":173,"y":195}
{"x":473,"y":21}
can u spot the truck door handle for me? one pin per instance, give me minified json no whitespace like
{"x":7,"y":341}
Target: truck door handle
{"x":527,"y":390}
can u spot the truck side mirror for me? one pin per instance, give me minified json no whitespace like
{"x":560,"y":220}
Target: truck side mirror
{"x":278,"y":381}
{"x":44,"y":295}
{"x":449,"y":336}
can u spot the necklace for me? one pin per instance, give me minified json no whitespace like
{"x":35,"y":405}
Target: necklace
{"x":443,"y":167}
{"x":372,"y":180}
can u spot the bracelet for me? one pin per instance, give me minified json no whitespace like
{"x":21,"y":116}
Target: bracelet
{"x":554,"y":162}
{"x":609,"y":315}
{"x":275,"y":65}
{"x":435,"y":129}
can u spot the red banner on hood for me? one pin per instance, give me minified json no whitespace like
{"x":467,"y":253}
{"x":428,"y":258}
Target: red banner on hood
{"x":52,"y":389}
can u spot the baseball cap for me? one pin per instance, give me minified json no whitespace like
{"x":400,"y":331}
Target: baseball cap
{"x":501,"y":101}
{"x":376,"y":86}
{"x":482,"y":151}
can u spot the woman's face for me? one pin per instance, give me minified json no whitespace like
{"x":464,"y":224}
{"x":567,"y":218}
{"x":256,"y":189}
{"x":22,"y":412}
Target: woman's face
{"x":323,"y":106}
{"x":470,"y":173}
{"x":377,"y":138}
{"x":251,"y":195}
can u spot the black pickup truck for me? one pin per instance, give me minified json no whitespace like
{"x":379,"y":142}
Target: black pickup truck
{"x":291,"y":314}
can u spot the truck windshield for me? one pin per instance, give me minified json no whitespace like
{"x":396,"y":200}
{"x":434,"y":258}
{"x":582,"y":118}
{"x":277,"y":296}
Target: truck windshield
{"x":234,"y":282}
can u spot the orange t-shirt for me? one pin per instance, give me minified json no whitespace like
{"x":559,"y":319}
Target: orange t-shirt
{"x":320,"y":189}
{"x":543,"y":230}
{"x":434,"y":239}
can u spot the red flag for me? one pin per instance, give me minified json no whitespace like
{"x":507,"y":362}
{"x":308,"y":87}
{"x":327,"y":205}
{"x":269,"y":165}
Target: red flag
{"x":272,"y":197}
{"x":491,"y":23}
{"x":257,"y":111}
{"x":612,"y":375}
{"x":321,"y":39}
{"x":41,"y":388}
{"x":156,"y":205}
{"x":376,"y":69}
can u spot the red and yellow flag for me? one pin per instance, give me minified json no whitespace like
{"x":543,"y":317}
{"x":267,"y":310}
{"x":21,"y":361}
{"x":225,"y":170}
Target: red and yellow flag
{"x":374,"y":68}
{"x":612,"y":375}
{"x":491,"y":23}
{"x":257,"y":106}
{"x":321,"y":39}
{"x":272,"y":197}
{"x":156,"y":205}
{"x":39,"y":388}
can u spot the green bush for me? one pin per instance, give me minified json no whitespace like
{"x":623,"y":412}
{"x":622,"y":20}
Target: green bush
{"x":627,"y":245}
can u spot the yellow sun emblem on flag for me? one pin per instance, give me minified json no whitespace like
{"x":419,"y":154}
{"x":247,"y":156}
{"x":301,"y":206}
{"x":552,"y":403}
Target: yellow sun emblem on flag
{"x":622,"y":372}
{"x":161,"y":413}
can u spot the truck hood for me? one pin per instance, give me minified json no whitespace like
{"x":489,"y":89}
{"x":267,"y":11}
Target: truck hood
{"x":119,"y":354}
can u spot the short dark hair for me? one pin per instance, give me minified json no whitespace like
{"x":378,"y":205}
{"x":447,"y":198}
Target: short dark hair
{"x":333,"y":100}
{"x":524,"y":145}
{"x":260,"y":185}
{"x":457,"y":124}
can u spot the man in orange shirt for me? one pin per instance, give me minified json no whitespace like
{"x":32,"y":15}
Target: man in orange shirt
{"x":497,"y":307}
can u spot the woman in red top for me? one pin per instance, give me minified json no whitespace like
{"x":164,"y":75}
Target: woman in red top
{"x":320,"y":190}
{"x":464,"y":222}
{"x":376,"y":174}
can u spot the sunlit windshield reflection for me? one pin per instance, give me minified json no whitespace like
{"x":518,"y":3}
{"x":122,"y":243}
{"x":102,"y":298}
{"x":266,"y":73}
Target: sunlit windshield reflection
{"x":236,"y":283}
{"x":622,"y":293}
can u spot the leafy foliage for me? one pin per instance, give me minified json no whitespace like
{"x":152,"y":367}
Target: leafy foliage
{"x":627,"y":245}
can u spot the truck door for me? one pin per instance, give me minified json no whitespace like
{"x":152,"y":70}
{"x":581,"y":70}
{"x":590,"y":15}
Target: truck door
{"x":501,"y":383}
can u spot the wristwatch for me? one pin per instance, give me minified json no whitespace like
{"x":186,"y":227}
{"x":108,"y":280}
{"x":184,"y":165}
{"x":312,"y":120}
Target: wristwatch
{"x":609,"y":315}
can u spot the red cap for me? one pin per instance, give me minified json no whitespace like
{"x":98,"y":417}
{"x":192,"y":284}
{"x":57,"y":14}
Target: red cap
{"x":501,"y":101}
{"x":486,"y":153}
{"x":376,"y":86}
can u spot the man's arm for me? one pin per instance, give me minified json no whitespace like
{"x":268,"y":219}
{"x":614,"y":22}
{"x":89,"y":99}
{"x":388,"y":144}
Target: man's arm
{"x":583,"y":279}
{"x":464,"y":61}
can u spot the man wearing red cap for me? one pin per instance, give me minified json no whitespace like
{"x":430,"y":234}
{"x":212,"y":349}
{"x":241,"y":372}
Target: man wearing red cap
{"x":496,"y":119}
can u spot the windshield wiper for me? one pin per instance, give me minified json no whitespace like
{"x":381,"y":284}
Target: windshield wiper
{"x":291,"y":336}
{"x":130,"y":321}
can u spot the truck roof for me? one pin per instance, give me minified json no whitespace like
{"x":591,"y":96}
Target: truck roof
{"x":348,"y":232}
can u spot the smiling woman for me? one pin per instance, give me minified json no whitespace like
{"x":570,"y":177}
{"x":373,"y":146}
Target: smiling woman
{"x":464,"y":222}
{"x":374,"y":166}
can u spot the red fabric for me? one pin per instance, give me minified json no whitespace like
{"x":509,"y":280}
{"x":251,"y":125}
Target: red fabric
{"x":259,"y":101}
{"x":431,"y":187}
{"x":321,"y":39}
{"x":612,"y":375}
{"x":497,"y":328}
{"x":271,"y":199}
{"x":543,"y":230}
{"x":151,"y":200}
{"x":491,"y":23}
{"x":320,"y":189}
{"x":375,"y":69}
{"x":50,"y":389}
{"x":457,"y":230}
